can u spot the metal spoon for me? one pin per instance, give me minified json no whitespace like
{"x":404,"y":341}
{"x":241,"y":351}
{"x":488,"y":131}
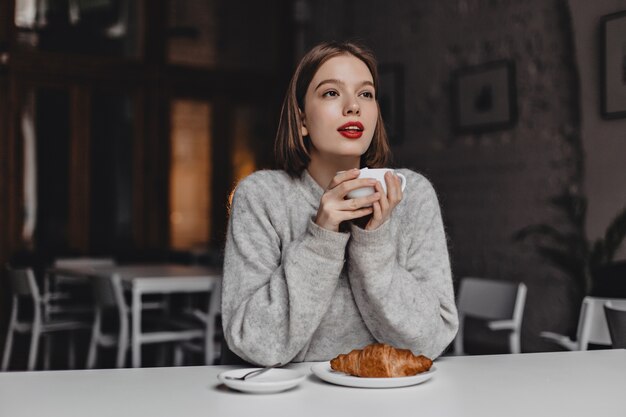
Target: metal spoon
{"x":254,"y":373}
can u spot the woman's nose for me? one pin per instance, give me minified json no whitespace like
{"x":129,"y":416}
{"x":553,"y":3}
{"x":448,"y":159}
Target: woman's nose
{"x":352,"y":107}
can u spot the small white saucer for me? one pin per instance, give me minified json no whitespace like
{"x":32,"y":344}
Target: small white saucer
{"x":274,"y":380}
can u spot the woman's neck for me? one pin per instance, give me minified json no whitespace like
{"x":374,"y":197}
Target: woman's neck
{"x":324,"y":168}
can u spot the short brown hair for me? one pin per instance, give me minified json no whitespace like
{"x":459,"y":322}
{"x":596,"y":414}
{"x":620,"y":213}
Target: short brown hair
{"x":291,"y":149}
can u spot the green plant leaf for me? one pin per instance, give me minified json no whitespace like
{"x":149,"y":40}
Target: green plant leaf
{"x":596,"y":256}
{"x":573,"y":205}
{"x":614,"y":235}
{"x":571,"y":265}
{"x":535,"y":230}
{"x":572,"y":241}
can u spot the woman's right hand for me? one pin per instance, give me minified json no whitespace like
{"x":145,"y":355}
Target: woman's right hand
{"x":334,"y":208}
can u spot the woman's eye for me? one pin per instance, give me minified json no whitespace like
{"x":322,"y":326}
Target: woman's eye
{"x":367,"y":94}
{"x":330,"y":93}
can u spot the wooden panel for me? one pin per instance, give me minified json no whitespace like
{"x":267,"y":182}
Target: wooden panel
{"x":6,"y":178}
{"x":156,"y":83}
{"x":7,"y":157}
{"x":15,"y":178}
{"x":139,"y":167}
{"x":43,"y":66}
{"x":7,"y":10}
{"x":57,"y":68}
{"x":11,"y":191}
{"x":155,"y":32}
{"x":222,"y":168}
{"x":153,"y":207}
{"x":79,"y":197}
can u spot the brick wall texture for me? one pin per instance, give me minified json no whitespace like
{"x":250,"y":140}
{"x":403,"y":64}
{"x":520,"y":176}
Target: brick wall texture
{"x":491,"y":184}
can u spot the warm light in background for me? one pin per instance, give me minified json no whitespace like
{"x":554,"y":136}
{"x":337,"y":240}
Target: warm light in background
{"x":243,"y":159}
{"x":190,"y":174}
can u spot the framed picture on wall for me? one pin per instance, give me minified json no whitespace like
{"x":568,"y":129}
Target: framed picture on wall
{"x":484,"y":97}
{"x":613,"y":65}
{"x":391,"y":100}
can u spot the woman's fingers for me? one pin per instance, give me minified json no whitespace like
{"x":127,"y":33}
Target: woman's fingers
{"x":394,"y":188}
{"x":343,"y":189}
{"x":377,"y":212}
{"x":355,"y":214}
{"x":346,"y":181}
{"x":385,"y":205}
{"x":336,"y":207}
{"x":384,"y":200}
{"x":343,"y":176}
{"x":357,"y":203}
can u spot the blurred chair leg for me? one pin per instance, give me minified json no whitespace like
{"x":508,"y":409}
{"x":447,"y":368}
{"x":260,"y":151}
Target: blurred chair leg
{"x":120,"y":361}
{"x":46,"y":290}
{"x":514,"y":341}
{"x":93,"y":343}
{"x":209,"y":341}
{"x":71,"y":351}
{"x":34,"y":345}
{"x":46,"y":351}
{"x":178,"y":355}
{"x":122,"y":343}
{"x":8,"y":343}
{"x":161,"y":355}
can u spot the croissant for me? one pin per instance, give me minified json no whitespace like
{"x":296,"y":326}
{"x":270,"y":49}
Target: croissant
{"x":380,"y":360}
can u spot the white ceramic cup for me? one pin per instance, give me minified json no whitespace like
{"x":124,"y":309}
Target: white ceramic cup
{"x":377,"y":174}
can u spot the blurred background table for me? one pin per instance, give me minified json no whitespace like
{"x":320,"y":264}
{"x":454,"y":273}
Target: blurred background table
{"x":141,"y":280}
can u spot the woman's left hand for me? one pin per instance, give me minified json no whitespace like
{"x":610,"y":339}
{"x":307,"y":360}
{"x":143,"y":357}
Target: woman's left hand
{"x":385,"y":205}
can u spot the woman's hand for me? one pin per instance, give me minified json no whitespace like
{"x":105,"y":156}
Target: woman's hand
{"x":335,"y":208}
{"x":385,"y":205}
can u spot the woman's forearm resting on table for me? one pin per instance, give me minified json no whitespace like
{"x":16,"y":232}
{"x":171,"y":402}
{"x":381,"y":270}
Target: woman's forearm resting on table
{"x":407,"y":300}
{"x":274,"y":302}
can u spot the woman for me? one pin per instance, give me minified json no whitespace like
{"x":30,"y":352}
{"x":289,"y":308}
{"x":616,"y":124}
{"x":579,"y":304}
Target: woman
{"x":310,"y":273}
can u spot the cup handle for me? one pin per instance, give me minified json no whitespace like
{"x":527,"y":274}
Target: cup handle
{"x":403,"y":178}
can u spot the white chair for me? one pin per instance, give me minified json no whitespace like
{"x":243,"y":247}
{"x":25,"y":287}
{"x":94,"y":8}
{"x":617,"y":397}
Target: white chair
{"x":592,"y":325}
{"x":108,"y":295}
{"x":616,"y":319}
{"x":501,"y":303}
{"x":209,"y":345}
{"x":24,"y":285}
{"x":59,"y":298}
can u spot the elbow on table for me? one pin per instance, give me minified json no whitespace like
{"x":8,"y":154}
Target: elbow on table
{"x":449,"y":329}
{"x":262,"y":353}
{"x":441,"y":337}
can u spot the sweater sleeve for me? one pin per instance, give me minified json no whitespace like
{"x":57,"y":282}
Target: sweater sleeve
{"x":274,"y":296}
{"x":410,"y":306}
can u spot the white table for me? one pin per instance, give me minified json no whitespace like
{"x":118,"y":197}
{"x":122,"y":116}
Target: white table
{"x":147,"y":279}
{"x":541,"y":384}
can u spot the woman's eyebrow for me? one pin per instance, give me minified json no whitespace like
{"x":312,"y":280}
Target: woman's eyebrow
{"x":336,"y":81}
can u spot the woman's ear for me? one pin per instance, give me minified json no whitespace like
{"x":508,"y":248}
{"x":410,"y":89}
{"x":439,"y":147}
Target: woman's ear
{"x":303,"y":130}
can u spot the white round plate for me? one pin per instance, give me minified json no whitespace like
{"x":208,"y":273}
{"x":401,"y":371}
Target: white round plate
{"x":274,"y":380}
{"x":324,"y":371}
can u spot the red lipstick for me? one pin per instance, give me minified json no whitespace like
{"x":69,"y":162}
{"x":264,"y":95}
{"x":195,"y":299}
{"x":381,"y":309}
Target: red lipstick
{"x":351,"y":130}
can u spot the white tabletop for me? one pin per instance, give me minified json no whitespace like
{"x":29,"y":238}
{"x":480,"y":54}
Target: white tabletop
{"x":157,"y":278}
{"x":136,"y":270}
{"x":540,"y":384}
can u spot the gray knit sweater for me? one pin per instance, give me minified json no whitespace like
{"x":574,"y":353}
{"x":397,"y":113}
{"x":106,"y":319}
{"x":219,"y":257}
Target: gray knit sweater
{"x":294,"y":291}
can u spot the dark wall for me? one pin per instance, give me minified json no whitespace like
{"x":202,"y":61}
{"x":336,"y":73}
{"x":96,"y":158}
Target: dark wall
{"x":492,"y":183}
